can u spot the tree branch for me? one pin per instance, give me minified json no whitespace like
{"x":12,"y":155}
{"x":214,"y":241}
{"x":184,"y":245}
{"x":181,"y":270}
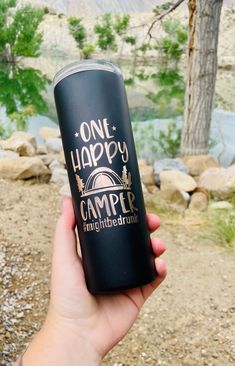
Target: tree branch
{"x":159,"y":18}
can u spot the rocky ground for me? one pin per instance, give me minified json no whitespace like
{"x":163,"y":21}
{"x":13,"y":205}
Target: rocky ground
{"x":190,"y":320}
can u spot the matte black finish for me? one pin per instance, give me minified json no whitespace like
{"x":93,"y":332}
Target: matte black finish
{"x":104,"y":178}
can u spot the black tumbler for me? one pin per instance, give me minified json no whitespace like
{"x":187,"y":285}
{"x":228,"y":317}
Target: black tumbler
{"x":104,"y":177}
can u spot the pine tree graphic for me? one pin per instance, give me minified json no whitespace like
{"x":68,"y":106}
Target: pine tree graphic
{"x":80,"y":183}
{"x":124,"y":177}
{"x":129,"y":180}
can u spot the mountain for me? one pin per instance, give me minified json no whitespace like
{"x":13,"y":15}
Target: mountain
{"x":91,"y":7}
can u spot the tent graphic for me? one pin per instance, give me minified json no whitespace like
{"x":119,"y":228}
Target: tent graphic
{"x":104,"y":179}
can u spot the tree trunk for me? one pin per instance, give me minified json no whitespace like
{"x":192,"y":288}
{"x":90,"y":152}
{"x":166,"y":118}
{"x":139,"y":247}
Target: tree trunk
{"x":204,"y":20}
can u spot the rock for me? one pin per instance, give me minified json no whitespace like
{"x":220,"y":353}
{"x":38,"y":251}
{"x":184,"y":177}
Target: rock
{"x":152,"y":189}
{"x":46,"y":159}
{"x":5,"y":154}
{"x":219,"y":182}
{"x":59,"y":176}
{"x":221,"y":205}
{"x":48,"y":132}
{"x":146,"y":174}
{"x":65,"y":190}
{"x":21,"y":142}
{"x":41,"y":150}
{"x":199,"y":201}
{"x":54,"y":145}
{"x":197,"y":164}
{"x":62,"y":158}
{"x":55,"y":164}
{"x":177,"y":179}
{"x":177,"y":198}
{"x":24,"y":168}
{"x":142,"y":162}
{"x":167,"y":164}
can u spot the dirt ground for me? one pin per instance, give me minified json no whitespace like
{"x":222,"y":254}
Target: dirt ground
{"x":190,"y":320}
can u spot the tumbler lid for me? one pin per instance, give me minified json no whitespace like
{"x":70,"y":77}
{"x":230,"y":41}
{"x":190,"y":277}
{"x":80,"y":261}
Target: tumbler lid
{"x":85,"y":65}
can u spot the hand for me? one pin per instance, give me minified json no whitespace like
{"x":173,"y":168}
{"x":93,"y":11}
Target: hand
{"x":81,"y":328}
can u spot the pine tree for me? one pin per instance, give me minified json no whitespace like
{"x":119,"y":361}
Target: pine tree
{"x":124,"y":176}
{"x":80,"y":184}
{"x":129,"y":180}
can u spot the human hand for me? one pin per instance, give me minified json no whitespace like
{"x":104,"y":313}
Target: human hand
{"x":81,"y":328}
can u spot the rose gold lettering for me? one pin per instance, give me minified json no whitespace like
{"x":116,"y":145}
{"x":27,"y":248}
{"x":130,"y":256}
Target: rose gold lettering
{"x":113,"y":201}
{"x":106,"y":129}
{"x":109,"y":146}
{"x":131,"y":200}
{"x":124,"y":151}
{"x":100,"y":203}
{"x":97,"y":129}
{"x":77,"y":164}
{"x":95,"y":156}
{"x":85,"y":131}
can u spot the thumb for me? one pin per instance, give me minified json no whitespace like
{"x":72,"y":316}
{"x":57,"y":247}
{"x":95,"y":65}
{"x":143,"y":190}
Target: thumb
{"x":65,"y":243}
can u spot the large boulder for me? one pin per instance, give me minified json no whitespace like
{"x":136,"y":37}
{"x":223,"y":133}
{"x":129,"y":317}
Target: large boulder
{"x":54,"y":145}
{"x":167,"y":164}
{"x":142,"y":162}
{"x":199,"y":201}
{"x":146,"y":174}
{"x":219,"y":182}
{"x":62,"y":158}
{"x":197,"y":164}
{"x":21,"y":142}
{"x":59,"y":176}
{"x":178,"y":180}
{"x":48,"y":132}
{"x":6,"y":154}
{"x":47,"y":159}
{"x":41,"y":150}
{"x":55,"y":164}
{"x":24,"y":168}
{"x":178,"y":199}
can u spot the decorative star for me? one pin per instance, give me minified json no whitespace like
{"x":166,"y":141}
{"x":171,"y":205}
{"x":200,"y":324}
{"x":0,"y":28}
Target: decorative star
{"x":76,"y":134}
{"x":114,"y":128}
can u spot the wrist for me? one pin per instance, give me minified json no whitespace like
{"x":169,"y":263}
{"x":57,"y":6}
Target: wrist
{"x":56,"y":345}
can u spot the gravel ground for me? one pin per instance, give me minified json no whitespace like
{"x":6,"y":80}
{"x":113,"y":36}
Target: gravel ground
{"x":190,"y":320}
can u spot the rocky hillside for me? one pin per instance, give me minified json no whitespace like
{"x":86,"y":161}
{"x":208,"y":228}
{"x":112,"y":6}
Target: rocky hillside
{"x":88,"y":7}
{"x":91,"y":7}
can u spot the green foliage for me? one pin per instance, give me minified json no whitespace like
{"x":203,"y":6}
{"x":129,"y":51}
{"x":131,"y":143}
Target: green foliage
{"x":146,"y":139}
{"x":19,"y":34}
{"x":105,"y":33}
{"x":164,"y":7}
{"x":78,"y":31}
{"x":21,"y":96}
{"x":121,"y":24}
{"x":18,"y":121}
{"x":223,"y":230}
{"x":172,"y":45}
{"x":152,"y":144}
{"x":130,"y":39}
{"x":88,"y":50}
{"x":170,"y":140}
{"x":169,"y":97}
{"x":21,"y":87}
{"x":169,"y":83}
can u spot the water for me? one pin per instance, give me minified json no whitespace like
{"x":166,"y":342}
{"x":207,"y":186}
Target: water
{"x":26,"y":103}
